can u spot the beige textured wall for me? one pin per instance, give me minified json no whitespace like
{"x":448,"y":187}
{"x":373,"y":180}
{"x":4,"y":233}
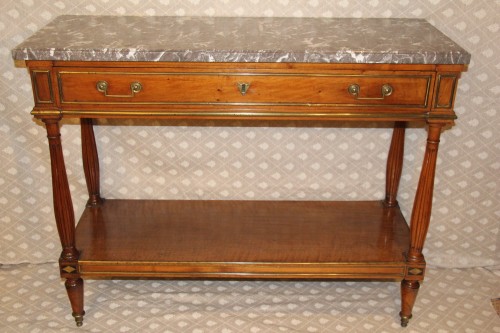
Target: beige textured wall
{"x":262,"y":162}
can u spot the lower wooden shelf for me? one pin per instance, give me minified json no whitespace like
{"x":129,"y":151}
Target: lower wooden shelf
{"x":242,"y":239}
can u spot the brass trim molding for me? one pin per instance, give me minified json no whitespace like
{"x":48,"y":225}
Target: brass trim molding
{"x":245,"y":269}
{"x":387,"y":264}
{"x":243,"y":114}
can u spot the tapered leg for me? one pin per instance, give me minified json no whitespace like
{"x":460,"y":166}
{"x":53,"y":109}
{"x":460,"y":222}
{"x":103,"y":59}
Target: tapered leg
{"x":422,"y":205}
{"x":90,"y":162}
{"x":394,"y":164}
{"x":74,"y":287}
{"x":63,"y":206}
{"x":65,"y":220}
{"x":419,"y":224}
{"x":409,"y":290}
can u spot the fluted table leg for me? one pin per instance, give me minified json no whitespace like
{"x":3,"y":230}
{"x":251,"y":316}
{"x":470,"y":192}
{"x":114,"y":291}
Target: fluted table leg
{"x":394,"y":164}
{"x":90,"y":162}
{"x":65,"y":220}
{"x":419,"y":224}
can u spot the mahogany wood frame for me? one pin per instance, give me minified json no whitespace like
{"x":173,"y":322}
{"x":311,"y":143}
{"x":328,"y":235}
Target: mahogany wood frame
{"x":437,"y":112}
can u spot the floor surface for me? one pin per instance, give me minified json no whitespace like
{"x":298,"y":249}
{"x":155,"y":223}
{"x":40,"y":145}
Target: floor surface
{"x":33,"y":299}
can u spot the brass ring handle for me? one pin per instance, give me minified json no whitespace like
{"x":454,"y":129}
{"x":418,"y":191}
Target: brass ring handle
{"x":354,"y":90}
{"x":102,"y":86}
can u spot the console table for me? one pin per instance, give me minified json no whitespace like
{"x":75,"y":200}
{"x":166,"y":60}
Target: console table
{"x":89,"y":67}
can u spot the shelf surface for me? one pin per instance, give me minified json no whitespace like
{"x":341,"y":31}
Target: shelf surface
{"x":154,"y":237}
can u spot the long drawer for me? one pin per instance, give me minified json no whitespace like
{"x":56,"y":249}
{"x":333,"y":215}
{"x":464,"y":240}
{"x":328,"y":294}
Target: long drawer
{"x":131,"y":88}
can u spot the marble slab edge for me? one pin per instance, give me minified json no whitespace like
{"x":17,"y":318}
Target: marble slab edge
{"x":226,"y":39}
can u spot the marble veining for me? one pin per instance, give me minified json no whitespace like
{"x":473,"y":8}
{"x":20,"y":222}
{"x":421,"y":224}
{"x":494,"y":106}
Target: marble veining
{"x":237,"y":39}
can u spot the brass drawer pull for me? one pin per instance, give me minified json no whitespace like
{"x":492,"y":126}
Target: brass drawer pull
{"x":243,"y":87}
{"x":135,"y":87}
{"x":354,"y":90}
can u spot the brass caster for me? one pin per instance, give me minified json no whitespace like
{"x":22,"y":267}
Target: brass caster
{"x":78,"y":318}
{"x":404,"y":320}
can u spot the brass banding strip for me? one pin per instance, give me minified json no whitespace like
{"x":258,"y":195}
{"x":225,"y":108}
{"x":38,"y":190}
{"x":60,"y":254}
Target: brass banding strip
{"x":237,"y":114}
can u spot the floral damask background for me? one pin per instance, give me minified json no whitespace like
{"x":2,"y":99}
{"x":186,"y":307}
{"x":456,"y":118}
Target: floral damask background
{"x":226,"y":160}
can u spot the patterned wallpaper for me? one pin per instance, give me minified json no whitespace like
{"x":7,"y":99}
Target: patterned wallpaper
{"x":263,"y":161}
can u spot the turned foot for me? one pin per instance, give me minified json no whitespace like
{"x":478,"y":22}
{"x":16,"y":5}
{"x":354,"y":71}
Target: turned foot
{"x":78,"y":318}
{"x":404,"y":320}
{"x":409,"y":290}
{"x":74,"y":287}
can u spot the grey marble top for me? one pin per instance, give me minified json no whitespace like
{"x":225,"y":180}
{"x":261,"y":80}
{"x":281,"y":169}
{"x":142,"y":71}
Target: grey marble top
{"x":236,"y":39}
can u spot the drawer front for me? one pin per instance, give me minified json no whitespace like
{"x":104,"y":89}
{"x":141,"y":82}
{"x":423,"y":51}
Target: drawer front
{"x":406,"y":91}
